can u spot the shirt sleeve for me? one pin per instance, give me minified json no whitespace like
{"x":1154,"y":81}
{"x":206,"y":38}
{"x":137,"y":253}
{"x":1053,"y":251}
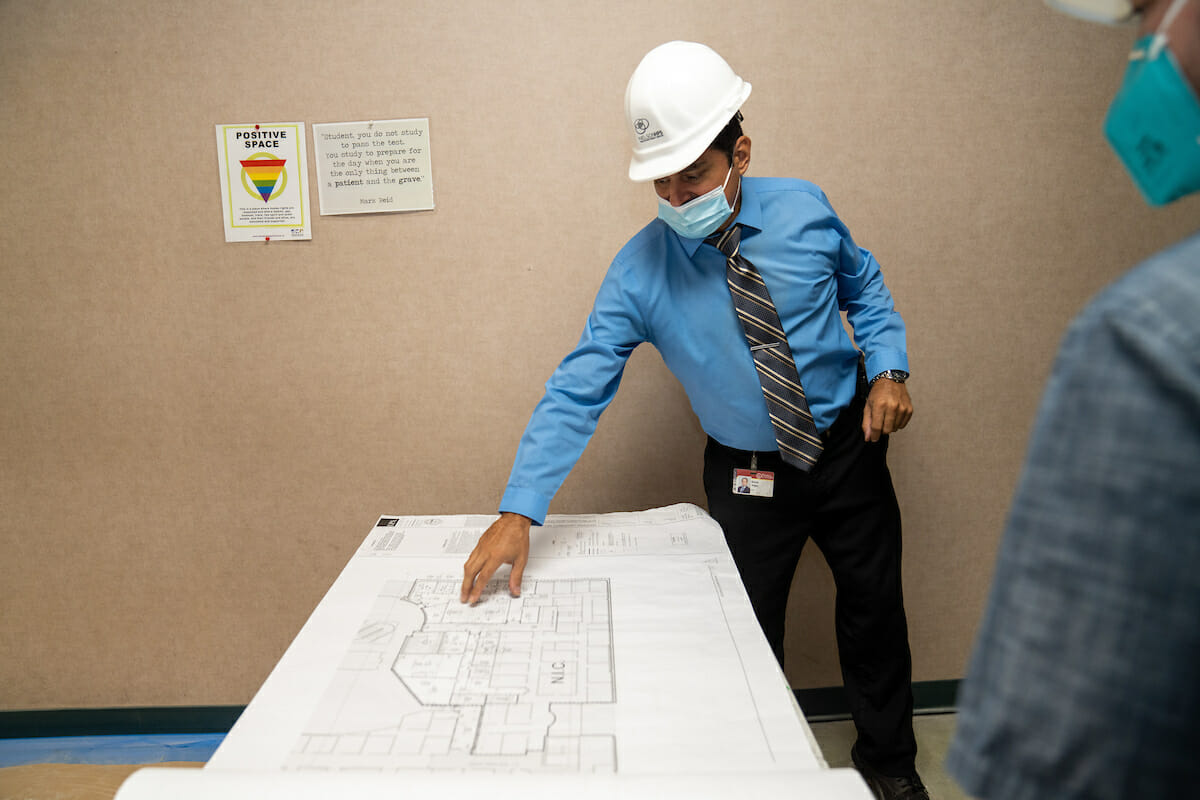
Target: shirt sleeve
{"x":577,"y":393}
{"x":878,"y":328}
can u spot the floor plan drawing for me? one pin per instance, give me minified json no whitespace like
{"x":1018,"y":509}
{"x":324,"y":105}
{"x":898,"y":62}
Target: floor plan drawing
{"x":511,"y":684}
{"x":631,"y":650}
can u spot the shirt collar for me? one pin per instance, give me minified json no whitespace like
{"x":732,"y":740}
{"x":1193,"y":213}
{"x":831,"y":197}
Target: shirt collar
{"x":749,"y":216}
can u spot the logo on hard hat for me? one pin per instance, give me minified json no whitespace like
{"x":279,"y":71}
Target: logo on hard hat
{"x":640,"y":125}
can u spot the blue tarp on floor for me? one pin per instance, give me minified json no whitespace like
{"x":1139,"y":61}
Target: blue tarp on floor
{"x":153,"y":749}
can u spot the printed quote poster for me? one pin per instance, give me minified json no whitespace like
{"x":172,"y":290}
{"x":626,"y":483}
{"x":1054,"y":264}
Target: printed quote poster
{"x":369,"y":167}
{"x":264,"y":181}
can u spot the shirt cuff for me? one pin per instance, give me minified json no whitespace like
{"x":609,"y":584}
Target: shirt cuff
{"x":883,"y":360}
{"x":526,"y":502}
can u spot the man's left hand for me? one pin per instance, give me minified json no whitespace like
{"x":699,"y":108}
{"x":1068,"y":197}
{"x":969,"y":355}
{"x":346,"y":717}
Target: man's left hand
{"x":888,"y":409}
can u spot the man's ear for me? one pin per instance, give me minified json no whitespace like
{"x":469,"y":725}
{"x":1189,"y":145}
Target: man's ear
{"x":741,"y":154}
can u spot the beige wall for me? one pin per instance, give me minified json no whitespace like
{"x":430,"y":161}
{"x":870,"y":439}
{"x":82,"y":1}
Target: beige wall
{"x":195,"y":435}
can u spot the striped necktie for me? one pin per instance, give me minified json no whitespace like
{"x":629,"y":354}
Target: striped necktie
{"x":795,"y":433}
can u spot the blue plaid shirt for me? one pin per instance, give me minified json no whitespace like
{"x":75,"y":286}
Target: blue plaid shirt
{"x":1085,"y":679}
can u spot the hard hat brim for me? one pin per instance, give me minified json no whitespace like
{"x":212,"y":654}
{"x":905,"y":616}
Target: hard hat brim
{"x":1109,"y":12}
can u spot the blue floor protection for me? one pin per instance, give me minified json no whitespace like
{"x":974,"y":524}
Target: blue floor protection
{"x":153,"y":749}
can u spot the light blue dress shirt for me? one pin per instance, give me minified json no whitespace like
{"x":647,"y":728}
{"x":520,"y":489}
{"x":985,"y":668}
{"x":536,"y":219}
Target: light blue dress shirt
{"x":1084,"y":681}
{"x":671,"y":292}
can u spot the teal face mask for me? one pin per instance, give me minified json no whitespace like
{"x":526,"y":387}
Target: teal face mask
{"x":699,"y":216}
{"x":1153,"y":123}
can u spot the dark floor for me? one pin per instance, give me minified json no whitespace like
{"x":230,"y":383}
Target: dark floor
{"x":933,"y":738}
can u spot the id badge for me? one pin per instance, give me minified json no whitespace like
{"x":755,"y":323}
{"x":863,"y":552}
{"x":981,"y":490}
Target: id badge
{"x":754,"y":482}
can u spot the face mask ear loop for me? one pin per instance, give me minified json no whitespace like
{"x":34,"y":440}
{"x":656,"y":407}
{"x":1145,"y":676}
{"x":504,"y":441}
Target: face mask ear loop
{"x":1160,"y":35}
{"x":727,"y":174}
{"x":726,"y":183}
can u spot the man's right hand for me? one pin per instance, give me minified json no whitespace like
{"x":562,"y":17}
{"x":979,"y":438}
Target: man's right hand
{"x":506,"y":541}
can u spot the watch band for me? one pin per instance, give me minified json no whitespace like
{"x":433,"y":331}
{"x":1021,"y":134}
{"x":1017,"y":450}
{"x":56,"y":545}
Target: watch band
{"x":897,"y":375}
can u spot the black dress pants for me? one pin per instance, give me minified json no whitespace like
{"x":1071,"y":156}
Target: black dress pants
{"x":847,"y":506}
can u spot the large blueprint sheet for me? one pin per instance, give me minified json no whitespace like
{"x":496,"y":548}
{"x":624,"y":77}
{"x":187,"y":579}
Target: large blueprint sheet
{"x":632,"y":651}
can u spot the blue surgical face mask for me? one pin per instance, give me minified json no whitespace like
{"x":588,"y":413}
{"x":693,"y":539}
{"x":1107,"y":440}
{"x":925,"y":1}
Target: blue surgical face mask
{"x":1153,"y":123}
{"x":699,"y":216}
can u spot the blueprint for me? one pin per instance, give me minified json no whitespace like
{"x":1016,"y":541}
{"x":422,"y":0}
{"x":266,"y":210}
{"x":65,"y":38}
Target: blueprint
{"x":509,"y":684}
{"x":155,"y":783}
{"x":632,"y":650}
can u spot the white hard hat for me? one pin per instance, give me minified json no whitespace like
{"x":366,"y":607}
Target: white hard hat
{"x":677,"y":101}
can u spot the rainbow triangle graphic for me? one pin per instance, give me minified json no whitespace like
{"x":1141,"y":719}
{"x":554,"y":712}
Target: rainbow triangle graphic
{"x":264,"y":174}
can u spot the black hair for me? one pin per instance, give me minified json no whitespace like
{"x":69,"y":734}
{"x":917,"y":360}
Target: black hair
{"x":727,"y":138}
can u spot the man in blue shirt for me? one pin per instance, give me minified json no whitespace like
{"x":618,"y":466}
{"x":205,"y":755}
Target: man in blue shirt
{"x":668,"y":286}
{"x":1083,"y":682}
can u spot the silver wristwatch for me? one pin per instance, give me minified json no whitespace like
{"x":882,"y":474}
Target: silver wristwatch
{"x":897,"y":375}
